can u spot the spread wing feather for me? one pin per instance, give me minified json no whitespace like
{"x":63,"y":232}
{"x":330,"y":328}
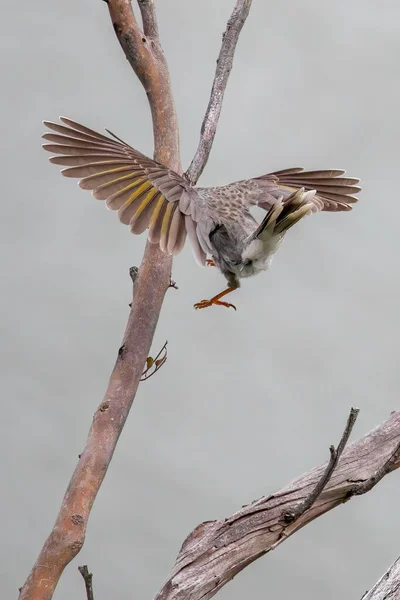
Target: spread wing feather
{"x":146,"y":194}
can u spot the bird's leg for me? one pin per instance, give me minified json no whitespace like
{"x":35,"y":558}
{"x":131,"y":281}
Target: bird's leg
{"x":217,"y":299}
{"x":210,"y":263}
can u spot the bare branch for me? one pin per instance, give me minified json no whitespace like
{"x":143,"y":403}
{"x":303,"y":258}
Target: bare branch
{"x":149,"y":19}
{"x":217,"y":550}
{"x":224,"y":67}
{"x":388,"y":587}
{"x":389,"y":465}
{"x":292,"y":514}
{"x":144,"y":53}
{"x":147,"y":59}
{"x":153,"y":279}
{"x":88,"y":579}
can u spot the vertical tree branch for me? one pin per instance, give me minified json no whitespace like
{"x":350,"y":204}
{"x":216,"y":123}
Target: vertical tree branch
{"x":144,"y":53}
{"x":68,"y":534}
{"x":149,"y":19}
{"x":222,"y":72}
{"x":147,"y":59}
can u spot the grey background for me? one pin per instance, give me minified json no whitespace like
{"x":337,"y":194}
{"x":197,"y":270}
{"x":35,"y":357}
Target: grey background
{"x":248,"y":400}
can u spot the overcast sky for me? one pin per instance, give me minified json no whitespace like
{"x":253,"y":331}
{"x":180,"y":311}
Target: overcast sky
{"x":247,"y":400}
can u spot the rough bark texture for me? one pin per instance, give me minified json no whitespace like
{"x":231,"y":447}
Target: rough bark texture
{"x":67,"y":536}
{"x":388,"y":587}
{"x":217,"y":550}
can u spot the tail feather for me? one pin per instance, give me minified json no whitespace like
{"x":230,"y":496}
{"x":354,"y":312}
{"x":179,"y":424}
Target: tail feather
{"x":283,"y":214}
{"x":334,"y":191}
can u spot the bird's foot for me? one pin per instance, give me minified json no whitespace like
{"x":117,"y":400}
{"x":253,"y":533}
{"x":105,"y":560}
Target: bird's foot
{"x":210,"y":263}
{"x":215,"y":301}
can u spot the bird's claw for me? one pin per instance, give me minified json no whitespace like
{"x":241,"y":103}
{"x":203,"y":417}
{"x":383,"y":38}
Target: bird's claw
{"x":206,"y":303}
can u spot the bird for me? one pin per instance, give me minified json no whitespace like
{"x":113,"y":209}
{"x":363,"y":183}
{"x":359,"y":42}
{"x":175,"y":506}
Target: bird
{"x":217,"y":220}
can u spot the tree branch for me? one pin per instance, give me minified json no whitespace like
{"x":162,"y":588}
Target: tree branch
{"x":149,"y":19}
{"x":148,"y":61}
{"x":144,"y":53}
{"x":217,"y":550}
{"x":388,"y":587}
{"x":88,"y":579}
{"x":224,"y":67}
{"x":153,"y":279}
{"x":292,"y":514}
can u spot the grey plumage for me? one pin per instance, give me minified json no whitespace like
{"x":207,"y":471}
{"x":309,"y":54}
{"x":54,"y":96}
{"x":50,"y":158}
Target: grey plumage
{"x":217,"y":220}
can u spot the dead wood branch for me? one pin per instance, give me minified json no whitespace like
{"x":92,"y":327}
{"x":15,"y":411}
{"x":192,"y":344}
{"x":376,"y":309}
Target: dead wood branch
{"x":217,"y":550}
{"x":388,"y":586}
{"x":224,"y":67}
{"x":292,"y":514}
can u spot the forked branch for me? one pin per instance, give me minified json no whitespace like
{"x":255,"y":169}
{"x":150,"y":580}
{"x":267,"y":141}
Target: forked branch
{"x":216,"y":551}
{"x":153,"y":279}
{"x":143,"y":50}
{"x":292,"y":514}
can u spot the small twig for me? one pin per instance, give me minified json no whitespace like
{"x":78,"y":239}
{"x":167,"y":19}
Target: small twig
{"x":149,"y":19}
{"x":156,"y":362}
{"x":224,"y":66}
{"x":88,"y":578}
{"x":365,"y":486}
{"x":293,"y":514}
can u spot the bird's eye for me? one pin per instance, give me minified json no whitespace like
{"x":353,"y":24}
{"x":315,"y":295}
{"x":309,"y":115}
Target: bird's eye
{"x":248,"y":262}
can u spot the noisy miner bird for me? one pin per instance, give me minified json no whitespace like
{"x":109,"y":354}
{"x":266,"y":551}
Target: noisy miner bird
{"x":217,"y":220}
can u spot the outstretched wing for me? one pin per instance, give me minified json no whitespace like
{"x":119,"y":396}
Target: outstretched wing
{"x":333,"y":191}
{"x":146,"y":193}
